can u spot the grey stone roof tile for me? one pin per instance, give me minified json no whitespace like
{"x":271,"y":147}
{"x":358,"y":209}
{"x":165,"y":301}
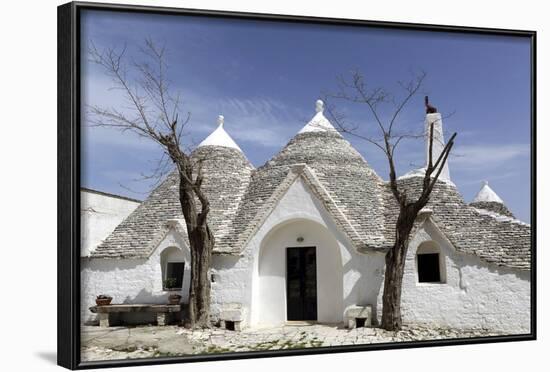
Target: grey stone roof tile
{"x":494,"y":207}
{"x":227,"y":174}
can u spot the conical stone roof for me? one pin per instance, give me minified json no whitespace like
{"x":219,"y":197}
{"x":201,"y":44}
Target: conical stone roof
{"x":226,"y":176}
{"x":318,"y":142}
{"x":488,"y":199}
{"x":351,"y":184}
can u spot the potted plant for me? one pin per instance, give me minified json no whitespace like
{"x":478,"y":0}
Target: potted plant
{"x":103,"y":300}
{"x":170,"y":285}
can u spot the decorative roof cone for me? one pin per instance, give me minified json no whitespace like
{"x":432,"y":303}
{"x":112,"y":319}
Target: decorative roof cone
{"x":486,"y":194}
{"x":219,"y":137}
{"x":319,"y":123}
{"x":487,"y":199}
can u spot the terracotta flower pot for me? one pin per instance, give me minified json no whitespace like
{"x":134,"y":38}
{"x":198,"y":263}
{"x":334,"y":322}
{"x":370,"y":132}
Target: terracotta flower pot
{"x":103,"y":301}
{"x":174,"y":299}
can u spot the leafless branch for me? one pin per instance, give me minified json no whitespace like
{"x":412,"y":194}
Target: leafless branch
{"x":356,"y":90}
{"x":156,"y":109}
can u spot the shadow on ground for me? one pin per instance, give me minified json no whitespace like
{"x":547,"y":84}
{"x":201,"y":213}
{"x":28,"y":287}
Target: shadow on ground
{"x":48,"y":356}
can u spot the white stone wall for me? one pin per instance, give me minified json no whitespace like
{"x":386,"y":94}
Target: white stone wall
{"x":475,"y":294}
{"x":132,"y":280}
{"x":99,"y":215}
{"x":231,"y":282}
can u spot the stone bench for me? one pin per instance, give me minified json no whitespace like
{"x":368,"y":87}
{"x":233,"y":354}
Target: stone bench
{"x":162,"y":311}
{"x":231,"y":317}
{"x":358,"y":316}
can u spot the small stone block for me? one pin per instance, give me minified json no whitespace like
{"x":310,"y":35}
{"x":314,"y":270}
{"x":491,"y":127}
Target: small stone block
{"x":238,"y":326}
{"x":104,"y":320}
{"x":162,"y":319}
{"x":358,"y":312}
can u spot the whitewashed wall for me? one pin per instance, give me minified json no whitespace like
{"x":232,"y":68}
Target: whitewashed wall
{"x":271,"y":276}
{"x":99,"y":215}
{"x":475,"y":294}
{"x":341,"y":271}
{"x":132,"y":280}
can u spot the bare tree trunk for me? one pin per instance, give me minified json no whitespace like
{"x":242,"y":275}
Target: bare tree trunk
{"x":201,"y":243}
{"x":199,"y":293}
{"x":395,"y":265}
{"x":157,"y":119}
{"x":408,"y":208}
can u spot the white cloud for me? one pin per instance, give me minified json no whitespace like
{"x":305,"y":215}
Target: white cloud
{"x":252,"y":120}
{"x":490,"y":177}
{"x":472,"y":157}
{"x":260,"y":121}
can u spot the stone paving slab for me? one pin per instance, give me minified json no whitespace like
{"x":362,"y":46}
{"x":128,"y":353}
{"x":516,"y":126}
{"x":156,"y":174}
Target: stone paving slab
{"x":154,"y":341}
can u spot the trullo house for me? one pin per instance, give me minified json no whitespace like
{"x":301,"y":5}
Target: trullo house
{"x":302,"y":238}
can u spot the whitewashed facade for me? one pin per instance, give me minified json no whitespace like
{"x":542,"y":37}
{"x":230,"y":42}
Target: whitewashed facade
{"x":319,"y":192}
{"x":100,"y":213}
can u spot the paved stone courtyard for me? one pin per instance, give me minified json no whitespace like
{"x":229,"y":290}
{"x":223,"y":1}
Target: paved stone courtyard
{"x":153,"y":341}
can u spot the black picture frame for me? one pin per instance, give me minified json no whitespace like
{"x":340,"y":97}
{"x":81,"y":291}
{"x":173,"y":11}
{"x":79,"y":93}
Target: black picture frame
{"x":68,"y":319}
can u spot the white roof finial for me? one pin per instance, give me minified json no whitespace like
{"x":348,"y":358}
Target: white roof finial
{"x":319,"y":123}
{"x":486,"y":194}
{"x":219,"y":137}
{"x":319,"y":106}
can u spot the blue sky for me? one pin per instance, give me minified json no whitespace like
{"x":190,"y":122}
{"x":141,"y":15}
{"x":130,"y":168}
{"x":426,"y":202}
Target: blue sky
{"x":264,"y":77}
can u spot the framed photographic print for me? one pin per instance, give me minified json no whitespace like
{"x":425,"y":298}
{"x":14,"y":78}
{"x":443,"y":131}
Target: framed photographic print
{"x":236,"y":185}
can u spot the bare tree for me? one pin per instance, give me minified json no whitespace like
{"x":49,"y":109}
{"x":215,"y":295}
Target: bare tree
{"x":356,"y":90}
{"x":152,"y":113}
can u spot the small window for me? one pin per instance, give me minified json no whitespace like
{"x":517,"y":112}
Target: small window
{"x":428,"y":268}
{"x":174,"y":275}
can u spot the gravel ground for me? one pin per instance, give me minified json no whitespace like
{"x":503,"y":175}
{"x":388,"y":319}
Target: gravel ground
{"x":153,"y":341}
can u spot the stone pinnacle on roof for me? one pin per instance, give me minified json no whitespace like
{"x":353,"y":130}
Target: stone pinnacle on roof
{"x":433,"y":117}
{"x":487,"y":200}
{"x":219,"y":137}
{"x":319,"y":123}
{"x":486,"y":194}
{"x":438,"y":140}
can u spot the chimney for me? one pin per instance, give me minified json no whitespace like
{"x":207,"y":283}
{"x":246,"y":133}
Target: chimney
{"x":438,"y":143}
